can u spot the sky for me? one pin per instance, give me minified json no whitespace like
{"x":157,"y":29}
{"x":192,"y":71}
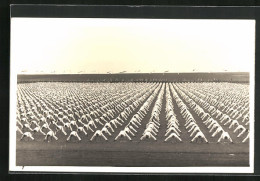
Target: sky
{"x":85,"y":45}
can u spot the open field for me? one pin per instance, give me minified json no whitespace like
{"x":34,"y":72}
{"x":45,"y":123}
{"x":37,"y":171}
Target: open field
{"x":134,"y":152}
{"x":138,"y":77}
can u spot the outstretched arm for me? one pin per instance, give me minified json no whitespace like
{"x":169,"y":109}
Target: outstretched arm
{"x":242,"y":132}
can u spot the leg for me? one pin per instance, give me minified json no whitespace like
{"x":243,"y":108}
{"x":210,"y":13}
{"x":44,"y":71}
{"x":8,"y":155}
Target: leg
{"x":108,"y":133}
{"x":135,"y":124}
{"x":46,"y":137}
{"x":69,"y":137}
{"x":128,"y":137}
{"x":178,"y":129}
{"x":214,"y":134}
{"x":104,"y":137}
{"x":235,"y":130}
{"x":117,"y":136}
{"x":227,"y":122}
{"x":247,"y":137}
{"x":112,"y":129}
{"x":133,"y":129}
{"x":78,"y":137}
{"x":55,"y":137}
{"x":22,"y":137}
{"x":193,"y":139}
{"x":176,"y":132}
{"x":114,"y":124}
{"x":42,"y":132}
{"x":153,"y":132}
{"x":219,"y":139}
{"x":230,"y":140}
{"x":212,"y":129}
{"x":63,"y":131}
{"x":190,"y":129}
{"x":20,"y":131}
{"x":167,"y":133}
{"x":240,"y":133}
{"x":178,"y":138}
{"x":90,"y":129}
{"x":205,"y":139}
{"x":168,"y":138}
{"x":210,"y":125}
{"x":153,"y":137}
{"x":142,"y":137}
{"x":119,"y":123}
{"x":194,"y":131}
{"x":84,"y":131}
{"x":93,"y":137}
{"x":100,"y":123}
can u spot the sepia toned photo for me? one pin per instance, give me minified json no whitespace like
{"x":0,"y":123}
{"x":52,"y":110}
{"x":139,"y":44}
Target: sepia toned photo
{"x":132,"y":95}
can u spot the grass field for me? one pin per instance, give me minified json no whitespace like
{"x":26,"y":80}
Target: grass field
{"x":134,"y":153}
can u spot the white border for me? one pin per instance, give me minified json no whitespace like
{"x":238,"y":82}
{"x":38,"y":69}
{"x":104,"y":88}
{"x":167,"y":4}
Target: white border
{"x":12,"y":142}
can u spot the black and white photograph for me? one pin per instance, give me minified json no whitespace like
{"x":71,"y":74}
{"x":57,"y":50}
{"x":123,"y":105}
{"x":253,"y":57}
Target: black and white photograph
{"x":132,"y":95}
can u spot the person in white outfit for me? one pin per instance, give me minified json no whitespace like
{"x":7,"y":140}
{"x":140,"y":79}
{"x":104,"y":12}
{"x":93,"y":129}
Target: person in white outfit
{"x":38,"y":129}
{"x":218,"y":130}
{"x":199,"y":135}
{"x":225,"y":136}
{"x":73,"y":134}
{"x":123,"y":133}
{"x":147,"y":135}
{"x":50,"y":135}
{"x":28,"y":135}
{"x":98,"y":133}
{"x":242,"y":130}
{"x":81,"y":129}
{"x":246,"y":138}
{"x":173,"y":135}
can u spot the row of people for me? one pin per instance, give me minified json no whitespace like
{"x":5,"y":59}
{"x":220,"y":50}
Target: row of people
{"x":208,"y":120}
{"x":190,"y":122}
{"x":153,"y":125}
{"x":136,"y":121}
{"x":233,"y":124}
{"x":172,"y":130}
{"x":69,"y":123}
